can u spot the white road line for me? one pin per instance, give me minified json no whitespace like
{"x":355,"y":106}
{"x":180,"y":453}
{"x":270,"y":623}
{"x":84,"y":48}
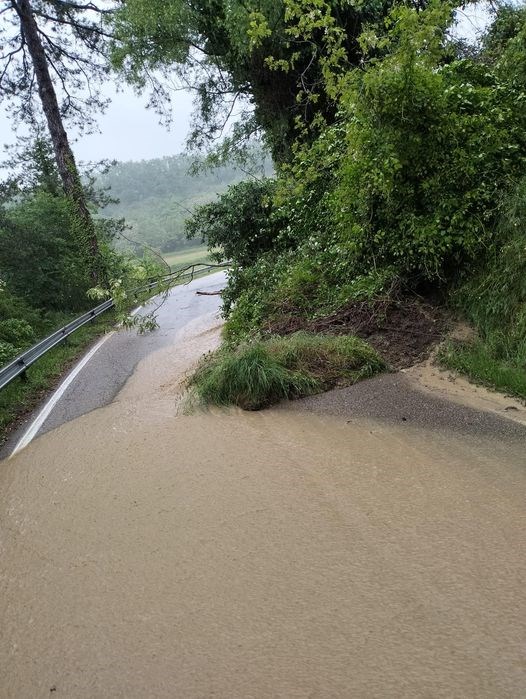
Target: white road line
{"x":57,"y":395}
{"x":43,"y":415}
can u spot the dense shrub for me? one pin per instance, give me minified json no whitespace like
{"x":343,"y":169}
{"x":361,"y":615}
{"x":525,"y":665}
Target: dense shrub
{"x":40,"y":256}
{"x":493,"y":298}
{"x":17,"y":331}
{"x":242,"y":223}
{"x":258,"y":374}
{"x":7,"y":352}
{"x":430,"y":147}
{"x":404,"y":190}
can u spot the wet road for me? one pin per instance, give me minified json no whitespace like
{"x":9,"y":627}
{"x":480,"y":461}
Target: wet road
{"x":107,"y":371}
{"x":366,"y":543}
{"x":293,"y":554}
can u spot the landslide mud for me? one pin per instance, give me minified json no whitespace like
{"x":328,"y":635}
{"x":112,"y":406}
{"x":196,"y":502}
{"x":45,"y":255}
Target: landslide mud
{"x":429,"y":377}
{"x":148,"y":553}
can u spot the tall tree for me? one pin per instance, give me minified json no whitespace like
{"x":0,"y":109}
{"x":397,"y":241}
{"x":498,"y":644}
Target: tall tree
{"x":266,"y":54}
{"x":56,"y":50}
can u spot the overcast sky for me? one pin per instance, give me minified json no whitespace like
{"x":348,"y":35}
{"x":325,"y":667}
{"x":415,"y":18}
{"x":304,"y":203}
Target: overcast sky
{"x":128,"y":130}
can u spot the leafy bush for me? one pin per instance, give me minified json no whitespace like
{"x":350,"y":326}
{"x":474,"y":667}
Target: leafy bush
{"x":242,"y":223}
{"x":40,"y":257}
{"x":493,"y":299}
{"x":17,"y":325}
{"x":12,"y":306}
{"x":404,"y":190}
{"x":7,"y":352}
{"x":260,"y":373}
{"x":430,"y":146}
{"x":17,"y":331}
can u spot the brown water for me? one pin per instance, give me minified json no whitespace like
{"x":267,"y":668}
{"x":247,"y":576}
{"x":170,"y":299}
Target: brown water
{"x":147,"y":553}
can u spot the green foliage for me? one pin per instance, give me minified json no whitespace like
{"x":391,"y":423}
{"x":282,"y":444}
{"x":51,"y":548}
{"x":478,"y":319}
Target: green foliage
{"x":241,"y":223}
{"x":40,"y":257}
{"x":273,"y":54}
{"x":15,"y":335}
{"x":7,"y":352}
{"x":32,"y":167}
{"x":507,"y":27}
{"x":477,"y":361}
{"x":251,"y":380}
{"x":14,"y":307}
{"x":404,"y":190}
{"x":16,"y":330}
{"x":493,"y":300}
{"x":429,"y":149}
{"x":258,"y":374}
{"x":156,"y":196}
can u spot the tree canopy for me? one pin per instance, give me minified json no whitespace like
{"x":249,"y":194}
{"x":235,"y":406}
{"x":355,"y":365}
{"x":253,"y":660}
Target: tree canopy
{"x":74,"y":38}
{"x":56,"y":49}
{"x":269,"y":56}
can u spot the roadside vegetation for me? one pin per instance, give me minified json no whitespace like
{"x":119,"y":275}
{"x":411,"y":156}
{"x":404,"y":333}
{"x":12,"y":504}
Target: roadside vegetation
{"x":46,"y":280}
{"x":409,"y":194}
{"x":493,"y":300}
{"x":397,"y":199}
{"x":256,"y":374}
{"x":24,"y":394}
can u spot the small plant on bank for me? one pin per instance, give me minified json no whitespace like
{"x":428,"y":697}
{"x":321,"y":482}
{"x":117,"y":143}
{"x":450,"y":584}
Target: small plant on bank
{"x":260,"y":373}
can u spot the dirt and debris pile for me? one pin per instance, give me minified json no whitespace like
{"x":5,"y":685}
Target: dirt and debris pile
{"x":402,"y":331}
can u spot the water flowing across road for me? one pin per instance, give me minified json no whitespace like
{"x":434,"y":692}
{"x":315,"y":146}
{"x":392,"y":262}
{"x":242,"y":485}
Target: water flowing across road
{"x":290,"y":553}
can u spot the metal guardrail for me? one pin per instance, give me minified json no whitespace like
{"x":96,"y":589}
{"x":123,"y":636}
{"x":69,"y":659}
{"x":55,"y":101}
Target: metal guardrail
{"x":19,"y":365}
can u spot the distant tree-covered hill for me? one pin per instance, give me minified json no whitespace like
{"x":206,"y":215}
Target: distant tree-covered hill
{"x":156,"y":196}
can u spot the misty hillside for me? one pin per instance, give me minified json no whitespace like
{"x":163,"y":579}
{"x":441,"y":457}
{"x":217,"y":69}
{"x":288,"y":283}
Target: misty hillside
{"x":155,"y":196}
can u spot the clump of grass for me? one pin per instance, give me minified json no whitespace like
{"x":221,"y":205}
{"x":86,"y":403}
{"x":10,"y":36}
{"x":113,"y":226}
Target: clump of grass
{"x":477,"y":362}
{"x":262,"y":372}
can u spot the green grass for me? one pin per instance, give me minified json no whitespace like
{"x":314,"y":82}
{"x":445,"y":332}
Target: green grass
{"x":260,"y":373}
{"x":21,"y":395}
{"x":188,"y":256}
{"x":493,"y":300}
{"x":476,"y":361}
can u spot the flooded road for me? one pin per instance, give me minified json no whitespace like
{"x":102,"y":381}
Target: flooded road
{"x":150,"y":553}
{"x":119,"y":352}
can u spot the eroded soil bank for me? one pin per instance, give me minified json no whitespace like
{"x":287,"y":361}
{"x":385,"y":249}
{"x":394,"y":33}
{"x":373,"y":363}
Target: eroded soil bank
{"x":403,"y":331}
{"x":146,"y":553}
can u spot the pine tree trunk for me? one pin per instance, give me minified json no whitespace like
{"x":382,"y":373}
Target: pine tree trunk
{"x":64,"y":155}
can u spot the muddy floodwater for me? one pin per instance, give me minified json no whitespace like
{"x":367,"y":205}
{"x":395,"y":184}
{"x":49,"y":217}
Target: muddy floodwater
{"x":150,"y":553}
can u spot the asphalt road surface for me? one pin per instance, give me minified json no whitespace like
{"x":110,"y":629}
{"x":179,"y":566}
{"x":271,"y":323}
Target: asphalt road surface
{"x":107,"y":371}
{"x":368,"y":543}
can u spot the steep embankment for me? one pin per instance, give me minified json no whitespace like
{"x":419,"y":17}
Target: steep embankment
{"x":406,"y":203}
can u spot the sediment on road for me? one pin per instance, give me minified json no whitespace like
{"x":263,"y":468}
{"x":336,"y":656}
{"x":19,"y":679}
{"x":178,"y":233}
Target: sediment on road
{"x":286,"y":553}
